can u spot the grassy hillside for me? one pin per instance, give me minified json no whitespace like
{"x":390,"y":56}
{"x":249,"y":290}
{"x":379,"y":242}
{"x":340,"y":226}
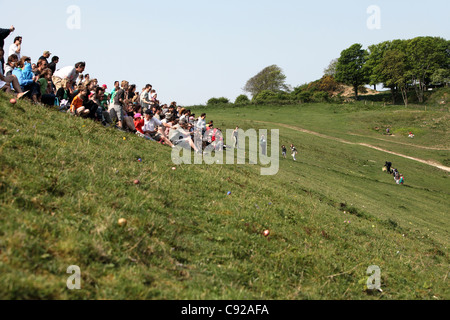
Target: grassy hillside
{"x":65,"y":182}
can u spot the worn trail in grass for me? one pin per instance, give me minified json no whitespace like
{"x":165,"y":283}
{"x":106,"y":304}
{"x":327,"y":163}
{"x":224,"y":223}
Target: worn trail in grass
{"x":431,"y":163}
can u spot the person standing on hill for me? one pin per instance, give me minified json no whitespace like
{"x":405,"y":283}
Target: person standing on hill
{"x":236,"y":138}
{"x":294,"y":152}
{"x":284,"y":151}
{"x":16,"y":47}
{"x":52,"y":65}
{"x":145,"y":97}
{"x":119,"y":103}
{"x":45,"y":56}
{"x":4,"y":33}
{"x":263,"y":144}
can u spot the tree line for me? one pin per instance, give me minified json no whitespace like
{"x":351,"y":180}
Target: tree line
{"x":403,"y":66}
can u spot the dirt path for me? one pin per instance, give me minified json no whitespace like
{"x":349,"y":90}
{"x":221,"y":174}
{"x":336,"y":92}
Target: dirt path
{"x":430,"y":163}
{"x":402,"y":143}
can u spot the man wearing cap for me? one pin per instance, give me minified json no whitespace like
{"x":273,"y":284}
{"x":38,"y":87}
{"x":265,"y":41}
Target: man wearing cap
{"x":45,"y":56}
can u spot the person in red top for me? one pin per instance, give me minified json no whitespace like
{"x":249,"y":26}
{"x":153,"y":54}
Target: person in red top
{"x":139,"y":122}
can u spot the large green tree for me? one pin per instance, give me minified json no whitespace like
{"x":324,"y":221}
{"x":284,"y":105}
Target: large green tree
{"x":350,"y":67}
{"x":392,"y":71}
{"x":271,"y":78}
{"x":426,"y":55}
{"x":375,"y":55}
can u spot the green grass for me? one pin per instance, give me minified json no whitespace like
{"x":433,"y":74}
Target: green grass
{"x":65,"y":182}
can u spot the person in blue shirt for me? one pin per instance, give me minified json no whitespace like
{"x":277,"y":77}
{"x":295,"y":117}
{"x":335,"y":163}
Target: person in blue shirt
{"x":26,"y":78}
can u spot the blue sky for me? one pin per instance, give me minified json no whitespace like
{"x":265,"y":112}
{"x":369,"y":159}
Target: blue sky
{"x":193,"y":50}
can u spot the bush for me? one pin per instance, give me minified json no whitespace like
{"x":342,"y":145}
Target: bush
{"x":304,"y":96}
{"x":270,"y":97}
{"x":216,"y":101}
{"x":242,"y":100}
{"x":264,"y":97}
{"x":320,"y":96}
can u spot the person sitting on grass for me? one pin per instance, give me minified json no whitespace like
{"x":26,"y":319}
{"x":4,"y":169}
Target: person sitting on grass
{"x":150,"y":129}
{"x":7,"y":82}
{"x":47,"y":95}
{"x":139,"y":123}
{"x":101,"y":101}
{"x":181,"y":137}
{"x":25,"y":75}
{"x":65,"y":95}
{"x":11,"y":64}
{"x":76,"y":107}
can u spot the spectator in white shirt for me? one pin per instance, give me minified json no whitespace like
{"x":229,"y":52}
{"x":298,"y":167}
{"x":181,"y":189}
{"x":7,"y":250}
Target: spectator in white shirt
{"x":151,"y":128}
{"x":16,"y":47}
{"x":201,"y":123}
{"x":68,"y":73}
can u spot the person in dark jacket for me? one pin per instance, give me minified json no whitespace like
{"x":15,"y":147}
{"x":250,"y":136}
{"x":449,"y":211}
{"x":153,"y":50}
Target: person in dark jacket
{"x":4,"y":33}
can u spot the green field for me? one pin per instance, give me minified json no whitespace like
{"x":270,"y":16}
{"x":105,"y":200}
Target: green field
{"x":65,"y":182}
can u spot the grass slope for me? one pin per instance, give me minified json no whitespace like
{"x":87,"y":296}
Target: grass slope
{"x":65,"y":182}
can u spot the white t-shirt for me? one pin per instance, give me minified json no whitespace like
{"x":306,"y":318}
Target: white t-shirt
{"x":201,"y":124}
{"x":67,"y":73}
{"x":12,"y":50}
{"x":151,"y":125}
{"x":2,"y":84}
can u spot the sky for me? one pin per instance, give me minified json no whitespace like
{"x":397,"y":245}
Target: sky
{"x":191,"y":51}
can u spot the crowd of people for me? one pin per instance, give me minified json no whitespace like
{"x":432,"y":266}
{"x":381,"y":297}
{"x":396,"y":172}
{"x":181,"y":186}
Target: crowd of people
{"x":81,"y":95}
